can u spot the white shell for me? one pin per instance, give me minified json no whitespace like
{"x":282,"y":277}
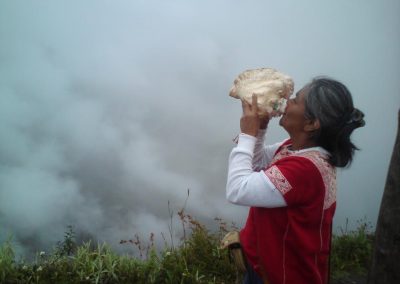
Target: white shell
{"x":272,"y":88}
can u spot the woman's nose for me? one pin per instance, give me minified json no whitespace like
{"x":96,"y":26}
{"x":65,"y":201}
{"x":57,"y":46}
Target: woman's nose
{"x":288,"y":103}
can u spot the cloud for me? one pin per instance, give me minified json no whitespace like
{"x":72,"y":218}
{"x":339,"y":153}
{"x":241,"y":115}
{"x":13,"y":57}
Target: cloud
{"x":110,"y":111}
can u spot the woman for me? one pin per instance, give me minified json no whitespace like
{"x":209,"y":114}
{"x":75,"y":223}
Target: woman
{"x":291,"y":186}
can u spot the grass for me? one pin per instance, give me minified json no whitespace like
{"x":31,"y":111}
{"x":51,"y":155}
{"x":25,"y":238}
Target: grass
{"x":352,"y":251}
{"x":197,"y":259}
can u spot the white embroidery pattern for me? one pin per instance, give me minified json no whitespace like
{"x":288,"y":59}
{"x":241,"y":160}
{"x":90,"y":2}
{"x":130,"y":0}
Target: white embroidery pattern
{"x":281,"y":154}
{"x":328,"y":173}
{"x":278,"y":179}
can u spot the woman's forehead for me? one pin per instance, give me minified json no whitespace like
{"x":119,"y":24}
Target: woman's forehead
{"x":301,"y":93}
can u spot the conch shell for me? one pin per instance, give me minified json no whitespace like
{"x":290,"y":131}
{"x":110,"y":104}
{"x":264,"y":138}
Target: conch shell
{"x":272,"y":88}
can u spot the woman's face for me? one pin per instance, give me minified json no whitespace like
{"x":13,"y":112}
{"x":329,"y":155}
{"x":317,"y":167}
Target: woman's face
{"x":293,"y":119}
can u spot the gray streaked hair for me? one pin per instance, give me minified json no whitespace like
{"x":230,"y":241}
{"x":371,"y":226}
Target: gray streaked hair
{"x":331,"y":103}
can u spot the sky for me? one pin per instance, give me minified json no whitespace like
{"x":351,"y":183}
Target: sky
{"x":112,"y":111}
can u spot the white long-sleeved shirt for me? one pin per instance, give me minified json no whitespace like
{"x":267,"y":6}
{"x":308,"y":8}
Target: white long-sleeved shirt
{"x":247,"y":183}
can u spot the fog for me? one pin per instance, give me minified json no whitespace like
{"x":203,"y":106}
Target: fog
{"x":110,"y":111}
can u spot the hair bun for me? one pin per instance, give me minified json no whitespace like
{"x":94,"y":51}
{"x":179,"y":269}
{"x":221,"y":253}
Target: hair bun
{"x":356,"y":117}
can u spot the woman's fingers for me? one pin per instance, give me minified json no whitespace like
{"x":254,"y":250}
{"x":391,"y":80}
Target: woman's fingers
{"x":264,"y":120}
{"x":245,"y":107}
{"x":250,"y":122}
{"x":254,"y":106}
{"x":250,"y":108}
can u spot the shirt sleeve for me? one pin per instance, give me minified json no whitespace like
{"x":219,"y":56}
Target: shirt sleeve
{"x":245,"y":186}
{"x":297,"y":179}
{"x":263,"y":154}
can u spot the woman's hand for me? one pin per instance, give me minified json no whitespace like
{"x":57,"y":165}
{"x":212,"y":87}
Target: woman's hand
{"x":264,"y":120}
{"x":250,"y":122}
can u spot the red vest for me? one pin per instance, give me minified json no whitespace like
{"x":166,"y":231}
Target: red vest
{"x":292,"y":244}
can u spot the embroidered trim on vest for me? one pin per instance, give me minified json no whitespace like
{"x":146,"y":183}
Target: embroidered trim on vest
{"x":278,"y":179}
{"x":328,"y":173}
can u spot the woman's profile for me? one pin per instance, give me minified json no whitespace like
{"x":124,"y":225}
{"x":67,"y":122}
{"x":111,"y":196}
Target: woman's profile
{"x":290,"y":186}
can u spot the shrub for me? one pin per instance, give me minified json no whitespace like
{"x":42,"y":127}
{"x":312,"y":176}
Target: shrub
{"x":197,"y":259}
{"x":351,"y":251}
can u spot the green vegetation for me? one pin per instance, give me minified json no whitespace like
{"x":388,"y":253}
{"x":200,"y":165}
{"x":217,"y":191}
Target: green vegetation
{"x":352,"y":251}
{"x":197,"y":259}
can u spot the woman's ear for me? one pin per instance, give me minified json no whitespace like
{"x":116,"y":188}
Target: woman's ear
{"x":312,"y":125}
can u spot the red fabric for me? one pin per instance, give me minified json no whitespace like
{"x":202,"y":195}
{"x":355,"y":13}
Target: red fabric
{"x":291,"y":244}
